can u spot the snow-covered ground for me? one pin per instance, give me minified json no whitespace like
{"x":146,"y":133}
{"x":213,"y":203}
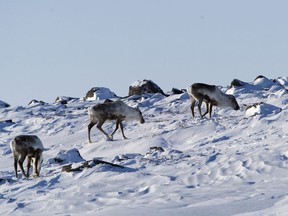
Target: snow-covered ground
{"x":235,"y":163}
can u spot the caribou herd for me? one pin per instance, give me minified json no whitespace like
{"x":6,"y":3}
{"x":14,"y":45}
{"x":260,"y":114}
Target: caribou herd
{"x":31,"y":148}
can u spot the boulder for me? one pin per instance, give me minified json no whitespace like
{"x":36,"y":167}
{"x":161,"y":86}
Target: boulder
{"x":237,"y":83}
{"x":177,"y":91}
{"x":262,"y":109}
{"x":67,"y":156}
{"x":264,"y":82}
{"x":36,"y":102}
{"x":3,"y":104}
{"x":145,"y":86}
{"x":99,"y":93}
{"x":65,"y":99}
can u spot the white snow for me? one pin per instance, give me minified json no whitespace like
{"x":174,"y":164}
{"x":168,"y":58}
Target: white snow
{"x":102,"y":93}
{"x":138,"y":83}
{"x":235,"y":163}
{"x":262,"y":109}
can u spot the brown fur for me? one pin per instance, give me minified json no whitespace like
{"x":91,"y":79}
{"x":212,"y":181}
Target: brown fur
{"x":30,"y":147}
{"x":112,"y":110}
{"x":212,"y":96}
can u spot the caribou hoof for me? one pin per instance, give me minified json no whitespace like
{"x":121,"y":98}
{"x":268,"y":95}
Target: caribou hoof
{"x":109,"y":138}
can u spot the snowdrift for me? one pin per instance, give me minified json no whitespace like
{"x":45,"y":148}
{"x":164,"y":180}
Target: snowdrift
{"x":235,"y":163}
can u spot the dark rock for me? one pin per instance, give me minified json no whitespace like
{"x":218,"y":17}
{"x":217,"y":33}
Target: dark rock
{"x":176,"y":91}
{"x":88,"y":164}
{"x":237,"y":83}
{"x":7,"y":121}
{"x":157,"y":149}
{"x":64,"y":99}
{"x":4,"y":104}
{"x":145,"y":86}
{"x":34,"y":101}
{"x":260,"y":77}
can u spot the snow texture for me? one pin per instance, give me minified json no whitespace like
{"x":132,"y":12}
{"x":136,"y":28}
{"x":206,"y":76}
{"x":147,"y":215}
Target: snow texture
{"x":235,"y":163}
{"x":101,"y":93}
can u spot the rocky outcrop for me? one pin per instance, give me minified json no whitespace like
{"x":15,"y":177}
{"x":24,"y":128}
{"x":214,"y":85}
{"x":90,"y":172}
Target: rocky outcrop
{"x":65,"y":99}
{"x":237,"y":83}
{"x":177,"y":91}
{"x":4,"y":104}
{"x":36,"y":102}
{"x":145,"y":86}
{"x":100,"y":93}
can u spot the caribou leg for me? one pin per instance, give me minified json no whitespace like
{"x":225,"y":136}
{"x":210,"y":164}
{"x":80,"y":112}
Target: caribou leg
{"x":210,"y":109}
{"x":207,"y":109}
{"x":199,"y":107}
{"x":116,"y":128}
{"x":193,"y":101}
{"x":20,"y":161}
{"x":122,"y":130}
{"x":89,"y":129}
{"x":29,"y":165}
{"x":15,"y":166}
{"x":99,"y":126}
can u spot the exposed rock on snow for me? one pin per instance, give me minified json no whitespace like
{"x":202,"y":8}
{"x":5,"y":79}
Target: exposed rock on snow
{"x":68,"y":156}
{"x":36,"y":102}
{"x":78,"y":167}
{"x":262,"y":109}
{"x":65,"y":99}
{"x":3,"y":104}
{"x":100,"y":93}
{"x":145,"y":86}
{"x":5,"y":123}
{"x":177,"y":91}
{"x":264,"y":82}
{"x":166,"y":167}
{"x":237,"y":83}
{"x":260,"y":86}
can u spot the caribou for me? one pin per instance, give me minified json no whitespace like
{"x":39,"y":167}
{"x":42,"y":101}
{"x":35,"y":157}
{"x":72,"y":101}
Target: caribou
{"x":30,"y":147}
{"x":112,"y":110}
{"x":212,"y":96}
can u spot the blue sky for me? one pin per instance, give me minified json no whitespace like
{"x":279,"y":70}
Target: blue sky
{"x":64,"y":48}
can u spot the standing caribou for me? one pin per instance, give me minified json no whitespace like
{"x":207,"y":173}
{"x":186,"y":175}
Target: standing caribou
{"x":212,"y":96}
{"x":30,"y":147}
{"x":112,"y":110}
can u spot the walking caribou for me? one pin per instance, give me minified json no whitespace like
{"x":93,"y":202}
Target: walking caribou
{"x":112,"y":110}
{"x":212,"y":96}
{"x":30,"y":147}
